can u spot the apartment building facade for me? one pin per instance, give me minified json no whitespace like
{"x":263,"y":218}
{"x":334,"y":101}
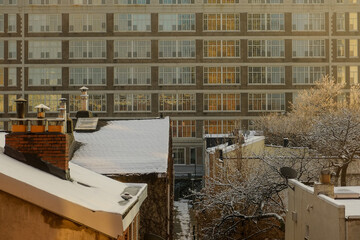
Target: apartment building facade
{"x":211,"y":65}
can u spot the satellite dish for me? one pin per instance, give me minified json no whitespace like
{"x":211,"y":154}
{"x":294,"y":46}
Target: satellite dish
{"x":288,"y":172}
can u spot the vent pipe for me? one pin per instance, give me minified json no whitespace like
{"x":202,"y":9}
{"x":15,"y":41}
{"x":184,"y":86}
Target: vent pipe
{"x":20,"y":108}
{"x":286,"y":142}
{"x":84,"y":99}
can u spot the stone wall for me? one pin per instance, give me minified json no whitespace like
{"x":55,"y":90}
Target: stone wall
{"x":156,"y":210}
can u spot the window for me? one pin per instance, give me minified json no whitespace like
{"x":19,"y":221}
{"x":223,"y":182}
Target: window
{"x":44,"y":2}
{"x":132,"y":22}
{"x":354,"y":75}
{"x":308,"y":21}
{"x":45,"y":76}
{"x":12,"y":23}
{"x":87,"y":49}
{"x":176,"y":1}
{"x":97,"y":103}
{"x":341,"y":74}
{"x":12,"y":77}
{"x":307,"y":75}
{"x":222,"y":102}
{"x":353,"y":21}
{"x":179,"y":155}
{"x":12,"y":53}
{"x":265,"y":1}
{"x":9,"y":2}
{"x":132,"y":76}
{"x":132,"y":102}
{"x":221,"y":22}
{"x":2,"y":22}
{"x":192,"y":155}
{"x":308,"y":48}
{"x":308,"y":1}
{"x":266,"y":22}
{"x":44,"y":23}
{"x":340,"y":21}
{"x":12,"y":103}
{"x":2,"y":49}
{"x":87,"y":2}
{"x":220,"y":1}
{"x":266,"y":102}
{"x":221,"y":75}
{"x":132,"y":49}
{"x":266,"y":75}
{"x":221,"y":48}
{"x":87,"y":76}
{"x":340,"y":48}
{"x":266,"y":48}
{"x":44,"y":49}
{"x":177,"y":102}
{"x":2,"y":74}
{"x":176,"y":22}
{"x":183,"y":128}
{"x":1,"y":102}
{"x":353,"y":48}
{"x":50,"y":100}
{"x":122,"y":2}
{"x":219,"y":126}
{"x":177,"y":75}
{"x":176,"y":49}
{"x":87,"y":22}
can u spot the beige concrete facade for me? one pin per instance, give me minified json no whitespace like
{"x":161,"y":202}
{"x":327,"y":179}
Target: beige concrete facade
{"x":242,"y":116}
{"x":312,"y":216}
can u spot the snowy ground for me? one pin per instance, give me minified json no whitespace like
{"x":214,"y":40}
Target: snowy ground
{"x":182,"y":220}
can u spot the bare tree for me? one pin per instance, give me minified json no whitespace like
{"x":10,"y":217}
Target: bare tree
{"x":248,"y":203}
{"x":320,"y":121}
{"x":337,"y":135}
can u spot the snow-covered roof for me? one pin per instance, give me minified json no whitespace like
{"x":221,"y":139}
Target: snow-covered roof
{"x":249,"y":139}
{"x":90,"y":198}
{"x":125,"y":147}
{"x":351,"y":205}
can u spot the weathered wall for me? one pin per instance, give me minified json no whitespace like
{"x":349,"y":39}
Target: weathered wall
{"x":318,"y":217}
{"x":22,"y":220}
{"x":154,"y":212}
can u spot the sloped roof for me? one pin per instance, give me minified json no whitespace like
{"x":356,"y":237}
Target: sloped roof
{"x":125,"y":147}
{"x":90,"y":198}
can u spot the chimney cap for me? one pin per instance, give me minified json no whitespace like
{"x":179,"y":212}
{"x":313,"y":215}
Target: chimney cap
{"x":20,"y":100}
{"x":42,"y":106}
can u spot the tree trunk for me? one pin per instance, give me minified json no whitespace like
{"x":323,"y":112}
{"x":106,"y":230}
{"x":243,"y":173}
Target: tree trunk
{"x":343,"y":175}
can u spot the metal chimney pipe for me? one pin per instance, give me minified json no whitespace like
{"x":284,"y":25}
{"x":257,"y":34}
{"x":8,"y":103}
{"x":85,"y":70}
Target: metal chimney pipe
{"x":84,"y":99}
{"x":20,"y":107}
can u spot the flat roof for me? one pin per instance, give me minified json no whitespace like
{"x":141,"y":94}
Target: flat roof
{"x":352,"y":205}
{"x":125,"y":147}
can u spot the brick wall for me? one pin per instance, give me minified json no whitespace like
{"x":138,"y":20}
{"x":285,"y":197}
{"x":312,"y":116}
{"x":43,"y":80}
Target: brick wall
{"x":50,"y":147}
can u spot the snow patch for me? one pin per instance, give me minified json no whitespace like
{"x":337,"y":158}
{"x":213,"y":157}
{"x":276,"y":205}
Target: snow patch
{"x":183,"y":216}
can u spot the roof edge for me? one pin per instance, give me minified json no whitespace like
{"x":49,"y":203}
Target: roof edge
{"x":108,"y":223}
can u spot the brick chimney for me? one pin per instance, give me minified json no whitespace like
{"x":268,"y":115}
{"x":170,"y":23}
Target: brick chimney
{"x":47,"y":151}
{"x":324,"y":187}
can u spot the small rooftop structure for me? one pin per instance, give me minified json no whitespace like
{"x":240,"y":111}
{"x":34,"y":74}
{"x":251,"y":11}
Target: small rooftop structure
{"x":125,"y":147}
{"x":89,"y":199}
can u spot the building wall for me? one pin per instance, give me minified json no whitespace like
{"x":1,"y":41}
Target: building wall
{"x":318,"y":217}
{"x":22,"y":220}
{"x":156,"y":210}
{"x":330,"y":61}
